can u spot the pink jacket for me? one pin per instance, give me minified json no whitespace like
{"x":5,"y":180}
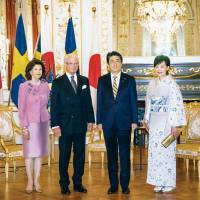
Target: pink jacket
{"x":32,"y":103}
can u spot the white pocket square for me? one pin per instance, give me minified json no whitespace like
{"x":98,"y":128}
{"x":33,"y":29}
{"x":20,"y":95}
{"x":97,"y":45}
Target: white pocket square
{"x":84,"y":87}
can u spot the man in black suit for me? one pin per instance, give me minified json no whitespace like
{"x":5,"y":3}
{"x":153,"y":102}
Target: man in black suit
{"x":117,"y":117}
{"x":71,"y":117}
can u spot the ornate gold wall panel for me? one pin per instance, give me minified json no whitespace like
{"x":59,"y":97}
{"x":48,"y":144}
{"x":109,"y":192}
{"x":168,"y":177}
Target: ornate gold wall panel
{"x":122,"y":19}
{"x":4,"y":45}
{"x":128,"y":34}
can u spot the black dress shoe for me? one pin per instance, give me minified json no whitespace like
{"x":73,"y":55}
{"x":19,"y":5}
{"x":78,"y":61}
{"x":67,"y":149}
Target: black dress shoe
{"x":126,"y":191}
{"x":65,"y":190}
{"x":80,"y":188}
{"x":112,"y":190}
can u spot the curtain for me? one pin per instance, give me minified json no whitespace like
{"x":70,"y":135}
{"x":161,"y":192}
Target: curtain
{"x":34,"y":22}
{"x":11,"y":30}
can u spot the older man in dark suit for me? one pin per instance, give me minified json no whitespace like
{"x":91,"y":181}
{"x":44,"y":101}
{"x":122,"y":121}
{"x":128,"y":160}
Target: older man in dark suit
{"x":117,"y":117}
{"x":71,"y":117}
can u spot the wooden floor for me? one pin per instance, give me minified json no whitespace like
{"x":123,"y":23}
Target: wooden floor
{"x":96,"y":181}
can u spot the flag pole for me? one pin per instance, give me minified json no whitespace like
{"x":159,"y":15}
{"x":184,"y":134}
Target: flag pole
{"x":9,"y":98}
{"x":52,"y":17}
{"x":81,"y":30}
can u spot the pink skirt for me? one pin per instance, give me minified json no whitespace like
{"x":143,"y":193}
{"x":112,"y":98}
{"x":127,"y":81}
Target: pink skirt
{"x":37,"y":145}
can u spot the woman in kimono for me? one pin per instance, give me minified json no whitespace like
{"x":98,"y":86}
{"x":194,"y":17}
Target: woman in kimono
{"x":34,"y":121}
{"x":164,"y":112}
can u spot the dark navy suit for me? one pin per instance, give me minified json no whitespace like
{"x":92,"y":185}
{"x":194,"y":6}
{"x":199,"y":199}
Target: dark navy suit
{"x":71,"y":111}
{"x":116,"y":116}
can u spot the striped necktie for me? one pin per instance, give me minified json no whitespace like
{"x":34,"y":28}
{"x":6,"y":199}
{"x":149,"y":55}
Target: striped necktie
{"x":114,"y":86}
{"x":73,"y":83}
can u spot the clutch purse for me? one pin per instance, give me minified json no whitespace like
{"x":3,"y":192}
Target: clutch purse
{"x":168,"y":140}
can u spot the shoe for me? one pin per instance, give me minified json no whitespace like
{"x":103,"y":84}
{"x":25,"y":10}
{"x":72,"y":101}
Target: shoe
{"x":65,"y":190}
{"x":167,"y":188}
{"x":38,"y":189}
{"x":29,"y":190}
{"x":158,"y":189}
{"x":80,"y":188}
{"x":126,"y":191}
{"x":112,"y":190}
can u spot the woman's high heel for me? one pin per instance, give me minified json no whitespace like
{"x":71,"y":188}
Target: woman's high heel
{"x":29,"y":191}
{"x":38,"y":189}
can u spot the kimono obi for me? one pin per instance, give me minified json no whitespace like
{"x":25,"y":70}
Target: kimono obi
{"x":159,"y":104}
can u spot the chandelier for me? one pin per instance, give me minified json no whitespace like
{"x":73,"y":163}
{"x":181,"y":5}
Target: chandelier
{"x":162,"y":17}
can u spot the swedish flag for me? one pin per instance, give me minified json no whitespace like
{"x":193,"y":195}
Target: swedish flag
{"x":70,"y":41}
{"x":37,"y":53}
{"x":20,"y":60}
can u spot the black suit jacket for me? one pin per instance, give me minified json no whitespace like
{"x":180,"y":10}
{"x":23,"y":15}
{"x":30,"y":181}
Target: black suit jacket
{"x":69,"y":110}
{"x":123,"y":110}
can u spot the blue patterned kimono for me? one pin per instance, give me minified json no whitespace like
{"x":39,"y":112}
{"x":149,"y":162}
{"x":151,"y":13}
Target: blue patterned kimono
{"x":164,"y":109}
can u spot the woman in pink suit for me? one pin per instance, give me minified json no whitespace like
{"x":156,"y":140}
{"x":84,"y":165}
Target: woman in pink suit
{"x":34,"y":121}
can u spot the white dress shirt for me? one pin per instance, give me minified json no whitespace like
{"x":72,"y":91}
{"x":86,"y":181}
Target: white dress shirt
{"x":75,"y":77}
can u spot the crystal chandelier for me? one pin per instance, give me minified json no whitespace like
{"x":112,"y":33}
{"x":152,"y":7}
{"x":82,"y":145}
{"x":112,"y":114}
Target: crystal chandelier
{"x":162,"y":17}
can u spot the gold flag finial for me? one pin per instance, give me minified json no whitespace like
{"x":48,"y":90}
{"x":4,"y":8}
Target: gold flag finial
{"x":69,"y":10}
{"x":46,"y":7}
{"x":94,"y":9}
{"x":20,"y":5}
